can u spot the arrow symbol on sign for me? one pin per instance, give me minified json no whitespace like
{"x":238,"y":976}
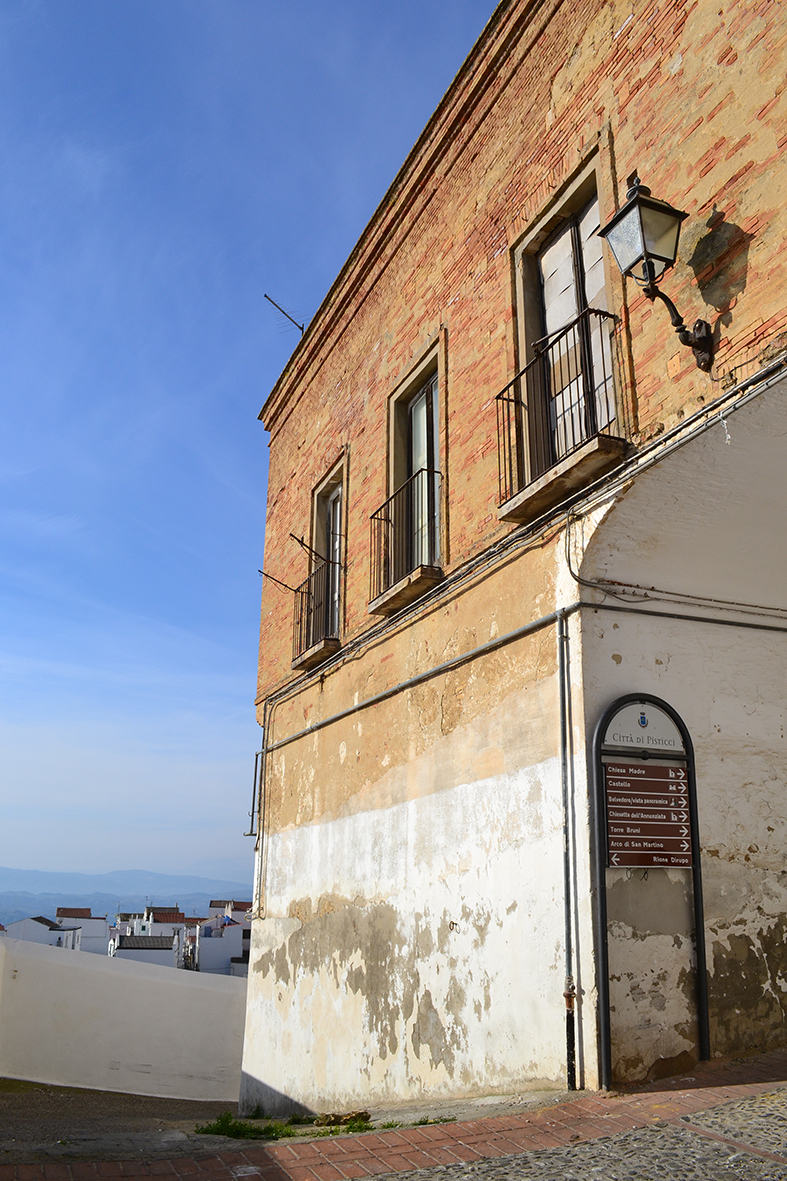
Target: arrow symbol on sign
{"x":681,"y":803}
{"x":681,"y":774}
{"x":685,"y":845}
{"x":684,"y":832}
{"x":614,"y":859}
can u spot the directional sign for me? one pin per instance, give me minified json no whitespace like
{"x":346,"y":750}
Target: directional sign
{"x":647,"y":813}
{"x":647,"y":860}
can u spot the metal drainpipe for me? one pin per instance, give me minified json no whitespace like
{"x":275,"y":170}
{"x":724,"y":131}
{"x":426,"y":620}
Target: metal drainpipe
{"x":259,"y":909}
{"x":569,"y":988}
{"x":558,"y":618}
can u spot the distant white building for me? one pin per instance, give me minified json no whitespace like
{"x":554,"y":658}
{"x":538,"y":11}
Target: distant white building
{"x":153,"y":920}
{"x":165,"y":920}
{"x":220,"y":947}
{"x":95,"y":928}
{"x":148,"y":949}
{"x":229,"y":923}
{"x":230,"y":908}
{"x":42,"y":930}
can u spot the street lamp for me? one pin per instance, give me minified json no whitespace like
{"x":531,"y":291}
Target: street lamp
{"x":643,"y":237}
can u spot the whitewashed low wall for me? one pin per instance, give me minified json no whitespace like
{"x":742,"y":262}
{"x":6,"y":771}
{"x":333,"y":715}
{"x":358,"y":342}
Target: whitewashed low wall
{"x":115,"y":1025}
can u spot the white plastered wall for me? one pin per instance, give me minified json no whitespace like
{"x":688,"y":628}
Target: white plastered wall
{"x":708,"y":521}
{"x":107,"y":1024}
{"x":439,"y":967}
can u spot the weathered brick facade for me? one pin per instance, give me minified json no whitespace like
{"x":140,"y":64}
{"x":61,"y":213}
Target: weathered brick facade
{"x":692,"y":96}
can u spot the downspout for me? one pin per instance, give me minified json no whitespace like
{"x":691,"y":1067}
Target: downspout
{"x":569,"y":987}
{"x":558,"y":618}
{"x":259,"y":900}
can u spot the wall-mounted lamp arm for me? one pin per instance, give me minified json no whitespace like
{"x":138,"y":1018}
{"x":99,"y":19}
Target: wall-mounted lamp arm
{"x":643,"y":237}
{"x":699,"y":339}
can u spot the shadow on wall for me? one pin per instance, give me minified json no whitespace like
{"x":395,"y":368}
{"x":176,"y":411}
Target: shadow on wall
{"x":748,"y":1000}
{"x":720,"y":262}
{"x":255,"y":1094}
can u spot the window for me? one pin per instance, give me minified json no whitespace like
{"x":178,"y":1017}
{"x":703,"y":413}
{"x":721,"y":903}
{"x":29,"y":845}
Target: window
{"x":419,"y":535}
{"x":557,"y":417}
{"x":578,"y":387}
{"x":317,"y":617}
{"x":405,"y":531}
{"x":328,"y":542}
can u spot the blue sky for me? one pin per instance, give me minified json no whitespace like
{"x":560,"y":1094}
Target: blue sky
{"x":166,"y":163}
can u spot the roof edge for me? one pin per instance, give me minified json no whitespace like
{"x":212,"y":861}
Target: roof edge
{"x":483,"y":42}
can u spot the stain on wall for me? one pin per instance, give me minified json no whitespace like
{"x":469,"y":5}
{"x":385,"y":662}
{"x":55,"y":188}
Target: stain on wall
{"x":652,"y":972}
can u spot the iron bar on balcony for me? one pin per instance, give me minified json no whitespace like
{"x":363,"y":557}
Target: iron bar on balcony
{"x":316,"y":614}
{"x":405,"y":532}
{"x":562,"y":398}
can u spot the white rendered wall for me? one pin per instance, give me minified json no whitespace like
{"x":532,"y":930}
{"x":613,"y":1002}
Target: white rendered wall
{"x":162,"y":956}
{"x":33,"y":932}
{"x":95,"y":934}
{"x":216,"y":952}
{"x":454,"y":902}
{"x":88,"y":1021}
{"x":708,"y":521}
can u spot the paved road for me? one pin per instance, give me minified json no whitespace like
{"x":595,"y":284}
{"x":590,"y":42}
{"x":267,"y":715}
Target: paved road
{"x":728,"y":1121}
{"x":745,"y":1140}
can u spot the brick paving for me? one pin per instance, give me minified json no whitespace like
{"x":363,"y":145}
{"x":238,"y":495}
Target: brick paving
{"x":679,"y":1110}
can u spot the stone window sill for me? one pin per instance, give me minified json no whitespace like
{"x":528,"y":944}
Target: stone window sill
{"x":316,"y":654}
{"x":599,"y":455}
{"x":411,"y":587}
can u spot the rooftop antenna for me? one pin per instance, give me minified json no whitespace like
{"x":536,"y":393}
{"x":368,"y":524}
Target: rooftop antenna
{"x":287,"y":314}
{"x":278,"y":582}
{"x":308,"y":549}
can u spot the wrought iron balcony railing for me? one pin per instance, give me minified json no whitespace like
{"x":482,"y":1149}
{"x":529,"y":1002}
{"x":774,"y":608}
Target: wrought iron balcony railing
{"x":316,"y":614}
{"x":405,"y":532}
{"x":562,"y":398}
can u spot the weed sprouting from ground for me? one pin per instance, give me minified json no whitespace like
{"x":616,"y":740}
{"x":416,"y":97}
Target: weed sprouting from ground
{"x":241,"y":1129}
{"x":357,"y":1125}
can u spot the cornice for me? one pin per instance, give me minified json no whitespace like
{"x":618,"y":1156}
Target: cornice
{"x":471,"y":85}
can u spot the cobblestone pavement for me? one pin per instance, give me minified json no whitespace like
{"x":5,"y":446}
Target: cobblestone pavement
{"x":746,"y":1144}
{"x":728,"y":1121}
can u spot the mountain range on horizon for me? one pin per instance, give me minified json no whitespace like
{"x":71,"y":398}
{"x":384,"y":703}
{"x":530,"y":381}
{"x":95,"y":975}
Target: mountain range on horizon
{"x":121,"y":881}
{"x":25,"y":893}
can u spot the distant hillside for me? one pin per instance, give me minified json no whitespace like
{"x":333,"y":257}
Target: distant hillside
{"x":127,"y":881}
{"x":18,"y":904}
{"x":27,"y":892}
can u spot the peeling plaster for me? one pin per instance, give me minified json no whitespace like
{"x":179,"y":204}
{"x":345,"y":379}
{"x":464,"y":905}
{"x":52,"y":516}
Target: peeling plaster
{"x":431,"y":970}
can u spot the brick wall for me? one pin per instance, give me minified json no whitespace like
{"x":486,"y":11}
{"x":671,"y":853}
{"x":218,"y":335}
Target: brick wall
{"x":690,"y":94}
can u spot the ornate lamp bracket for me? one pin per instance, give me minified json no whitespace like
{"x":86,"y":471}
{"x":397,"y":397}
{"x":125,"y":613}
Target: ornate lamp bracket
{"x":699,"y":340}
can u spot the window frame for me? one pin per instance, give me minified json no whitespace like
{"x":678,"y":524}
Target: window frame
{"x":602,"y":450}
{"x":427,"y":369}
{"x":333,"y":484}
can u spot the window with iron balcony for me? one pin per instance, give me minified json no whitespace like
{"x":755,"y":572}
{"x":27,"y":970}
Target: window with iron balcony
{"x":559,"y":418}
{"x":405,"y":530}
{"x":317,"y":608}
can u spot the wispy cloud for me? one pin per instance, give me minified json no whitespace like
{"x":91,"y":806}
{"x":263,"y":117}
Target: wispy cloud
{"x":163,"y":166}
{"x":31,"y":525}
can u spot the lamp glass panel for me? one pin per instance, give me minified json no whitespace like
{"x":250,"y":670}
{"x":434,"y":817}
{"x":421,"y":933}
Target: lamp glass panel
{"x":661,"y":229}
{"x":626,"y":241}
{"x":648,"y":270}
